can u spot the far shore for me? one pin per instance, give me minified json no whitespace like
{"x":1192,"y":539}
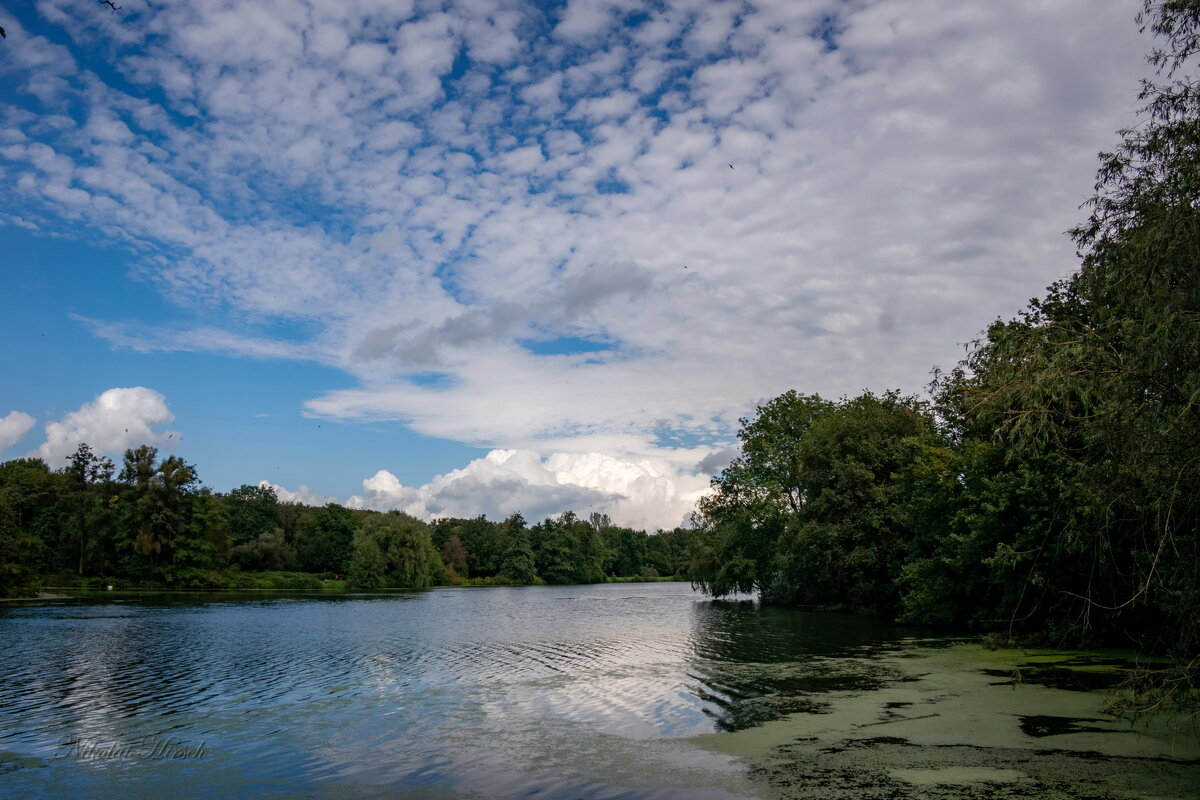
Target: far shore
{"x":328,"y":587}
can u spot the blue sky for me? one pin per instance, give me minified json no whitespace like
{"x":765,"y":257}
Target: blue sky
{"x":482,"y":256}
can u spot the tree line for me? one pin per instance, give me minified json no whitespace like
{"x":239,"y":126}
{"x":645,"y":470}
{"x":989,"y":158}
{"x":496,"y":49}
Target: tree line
{"x":152,"y":523}
{"x":1050,"y":482}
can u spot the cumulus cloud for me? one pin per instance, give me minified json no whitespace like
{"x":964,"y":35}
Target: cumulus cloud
{"x":14,"y":427}
{"x":641,"y":494}
{"x":114,"y":421}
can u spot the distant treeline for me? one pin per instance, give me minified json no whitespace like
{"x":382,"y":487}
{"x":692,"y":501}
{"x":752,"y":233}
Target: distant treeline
{"x":1051,"y":483}
{"x":153,"y":523}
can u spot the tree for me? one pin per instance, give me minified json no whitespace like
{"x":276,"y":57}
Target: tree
{"x":394,"y":549}
{"x":212,"y":526}
{"x":556,"y":554}
{"x":20,"y":552}
{"x":157,"y":534}
{"x":270,"y":551}
{"x":517,"y":562}
{"x":1139,"y":342}
{"x":568,"y":550}
{"x":324,"y":542}
{"x":252,"y":512}
{"x":454,"y":556}
{"x":767,"y":477}
{"x":368,"y":564}
{"x":587,"y":538}
{"x":28,"y":495}
{"x":845,"y":546}
{"x":1092,"y":395}
{"x":86,"y":514}
{"x":481,"y":539}
{"x":668,"y":551}
{"x":625,"y":551}
{"x":599,"y":521}
{"x":812,"y":511}
{"x":743,"y":518}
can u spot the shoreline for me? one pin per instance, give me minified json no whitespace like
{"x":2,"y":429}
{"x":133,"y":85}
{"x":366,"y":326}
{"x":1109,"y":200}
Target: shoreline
{"x":89,"y":593}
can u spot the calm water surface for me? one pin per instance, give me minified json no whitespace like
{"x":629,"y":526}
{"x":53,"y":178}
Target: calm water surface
{"x":535,"y":691}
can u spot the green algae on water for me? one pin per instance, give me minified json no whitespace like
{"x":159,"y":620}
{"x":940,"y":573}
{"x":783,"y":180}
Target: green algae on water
{"x":948,"y":729}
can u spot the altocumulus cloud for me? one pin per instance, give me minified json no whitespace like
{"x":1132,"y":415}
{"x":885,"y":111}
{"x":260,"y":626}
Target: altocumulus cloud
{"x":598,"y":227}
{"x":114,"y":421}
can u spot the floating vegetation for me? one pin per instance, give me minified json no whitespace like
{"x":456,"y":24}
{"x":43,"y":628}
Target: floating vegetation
{"x":937,"y":725}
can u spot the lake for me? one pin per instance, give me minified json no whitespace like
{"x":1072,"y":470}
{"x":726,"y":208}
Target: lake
{"x":607,"y":691}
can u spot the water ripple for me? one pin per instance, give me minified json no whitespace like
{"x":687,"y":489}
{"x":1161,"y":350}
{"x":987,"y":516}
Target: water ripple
{"x":419,"y":681}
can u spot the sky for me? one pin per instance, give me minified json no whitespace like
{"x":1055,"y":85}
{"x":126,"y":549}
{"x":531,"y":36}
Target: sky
{"x":467,"y":257}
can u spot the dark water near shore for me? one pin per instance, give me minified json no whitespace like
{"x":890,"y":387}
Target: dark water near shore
{"x":589,"y":691}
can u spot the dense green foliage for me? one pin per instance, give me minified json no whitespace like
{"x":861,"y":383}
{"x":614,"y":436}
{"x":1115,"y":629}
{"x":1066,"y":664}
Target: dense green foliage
{"x":818,"y":508}
{"x":153,"y":524}
{"x":1052,"y":484}
{"x":563,"y":549}
{"x":1091,"y":394}
{"x":393,"y":549}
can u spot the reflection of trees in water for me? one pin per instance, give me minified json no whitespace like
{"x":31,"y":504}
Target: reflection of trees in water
{"x":745,"y":631}
{"x":756,"y":663}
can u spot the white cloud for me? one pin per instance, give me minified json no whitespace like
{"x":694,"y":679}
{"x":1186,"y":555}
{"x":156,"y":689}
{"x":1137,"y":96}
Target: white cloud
{"x":213,"y":340}
{"x":14,"y":427}
{"x":114,"y":421}
{"x":643,"y":494}
{"x":303,"y":495}
{"x":853,"y":188}
{"x":584,"y":19}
